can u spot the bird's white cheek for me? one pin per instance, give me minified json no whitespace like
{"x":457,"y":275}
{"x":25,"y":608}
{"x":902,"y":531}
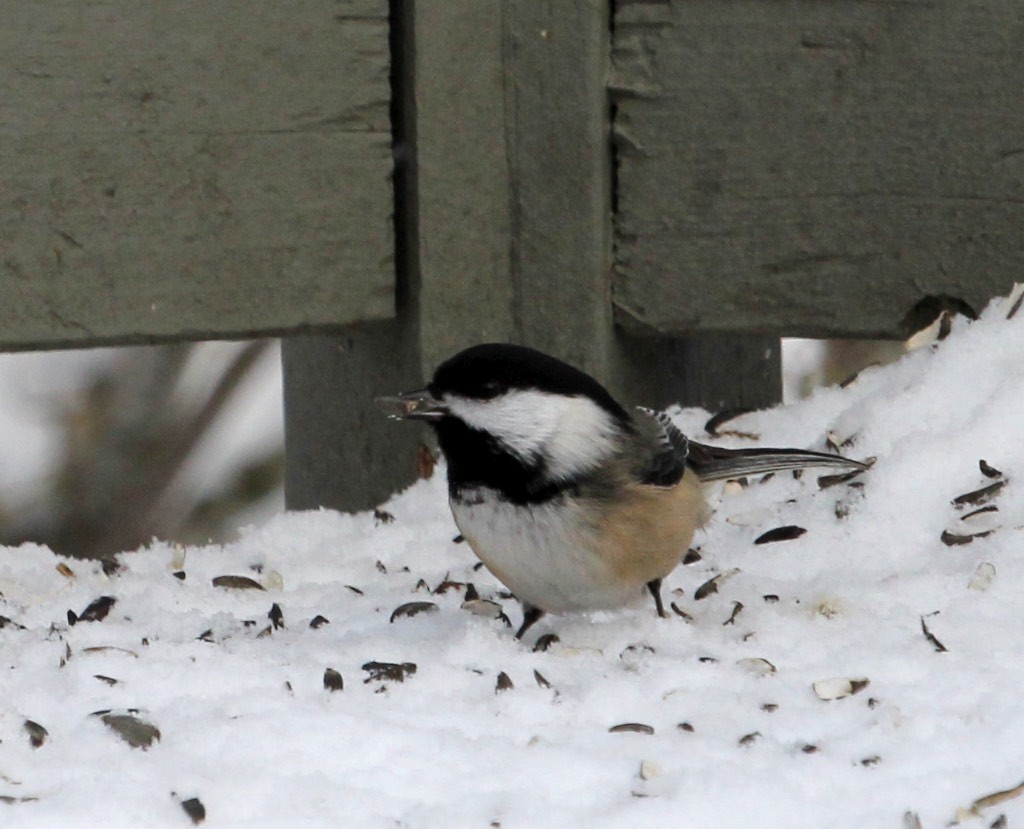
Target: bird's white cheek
{"x":584,"y":437}
{"x":570,"y":435}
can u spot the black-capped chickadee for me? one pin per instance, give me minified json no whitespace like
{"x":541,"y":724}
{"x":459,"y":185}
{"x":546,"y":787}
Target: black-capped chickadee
{"x":571,"y":501}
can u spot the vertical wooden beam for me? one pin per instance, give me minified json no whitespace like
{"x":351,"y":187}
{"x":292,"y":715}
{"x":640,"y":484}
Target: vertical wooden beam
{"x":713,"y":370}
{"x":465,"y":200}
{"x":339,"y":451}
{"x":504,"y":226}
{"x":559,"y":167}
{"x":561,"y":179}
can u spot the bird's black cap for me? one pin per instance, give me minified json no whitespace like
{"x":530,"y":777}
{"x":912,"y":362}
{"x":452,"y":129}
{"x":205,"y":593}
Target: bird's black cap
{"x":487,"y":370}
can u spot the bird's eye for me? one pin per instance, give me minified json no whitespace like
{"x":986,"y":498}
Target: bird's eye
{"x":490,"y":389}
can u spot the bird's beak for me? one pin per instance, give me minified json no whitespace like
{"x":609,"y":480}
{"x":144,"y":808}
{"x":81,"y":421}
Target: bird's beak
{"x":413,"y":405}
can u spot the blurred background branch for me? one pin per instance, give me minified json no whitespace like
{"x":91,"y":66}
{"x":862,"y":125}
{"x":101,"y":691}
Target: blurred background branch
{"x":138,"y":450}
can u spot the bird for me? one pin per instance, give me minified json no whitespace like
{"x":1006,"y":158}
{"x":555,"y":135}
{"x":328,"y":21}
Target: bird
{"x":572,"y":501}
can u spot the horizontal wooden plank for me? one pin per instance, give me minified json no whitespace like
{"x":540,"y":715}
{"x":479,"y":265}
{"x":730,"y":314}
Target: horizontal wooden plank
{"x":233,"y":65}
{"x":212,"y":170}
{"x":815,"y":169}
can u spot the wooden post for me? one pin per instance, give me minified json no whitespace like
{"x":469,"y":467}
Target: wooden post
{"x":504,"y":219}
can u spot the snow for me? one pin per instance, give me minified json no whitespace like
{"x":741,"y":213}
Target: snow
{"x":248,"y":728}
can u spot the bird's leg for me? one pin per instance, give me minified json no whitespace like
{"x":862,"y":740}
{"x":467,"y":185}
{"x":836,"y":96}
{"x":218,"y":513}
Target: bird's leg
{"x":654,"y":586}
{"x":530,"y":615}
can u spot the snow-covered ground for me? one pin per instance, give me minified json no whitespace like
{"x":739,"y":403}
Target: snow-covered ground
{"x":724,"y":725}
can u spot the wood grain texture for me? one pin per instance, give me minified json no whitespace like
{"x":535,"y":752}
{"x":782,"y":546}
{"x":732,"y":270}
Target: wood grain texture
{"x":514,"y":204}
{"x":207,"y":170}
{"x":559,"y":160}
{"x":340,"y":451}
{"x":815,"y":169}
{"x":513,"y":177}
{"x":462,"y":286}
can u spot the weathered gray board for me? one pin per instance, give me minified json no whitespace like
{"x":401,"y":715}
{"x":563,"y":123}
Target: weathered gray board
{"x":811,"y":168}
{"x":207,"y":169}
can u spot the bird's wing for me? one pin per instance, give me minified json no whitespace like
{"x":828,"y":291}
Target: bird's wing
{"x":665,"y":464}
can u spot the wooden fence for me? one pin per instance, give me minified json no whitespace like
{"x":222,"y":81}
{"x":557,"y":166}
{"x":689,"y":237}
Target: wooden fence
{"x":654,"y":190}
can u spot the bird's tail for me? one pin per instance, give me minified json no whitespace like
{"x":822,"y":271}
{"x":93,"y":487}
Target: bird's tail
{"x":714,"y":463}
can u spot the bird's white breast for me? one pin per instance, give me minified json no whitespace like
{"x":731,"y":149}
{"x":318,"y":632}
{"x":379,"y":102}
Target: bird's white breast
{"x":545,"y":554}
